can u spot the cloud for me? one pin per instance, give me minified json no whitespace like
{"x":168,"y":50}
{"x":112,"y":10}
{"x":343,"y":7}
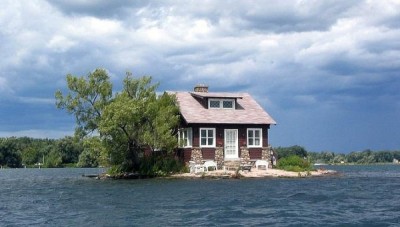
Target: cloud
{"x":96,"y":8}
{"x":312,"y":60}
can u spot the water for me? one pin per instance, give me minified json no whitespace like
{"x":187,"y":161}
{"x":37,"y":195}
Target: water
{"x":361,"y":196}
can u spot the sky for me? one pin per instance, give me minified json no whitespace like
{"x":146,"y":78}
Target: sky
{"x":327,"y":71}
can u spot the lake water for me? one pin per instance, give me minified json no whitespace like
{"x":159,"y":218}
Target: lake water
{"x":360,"y":196}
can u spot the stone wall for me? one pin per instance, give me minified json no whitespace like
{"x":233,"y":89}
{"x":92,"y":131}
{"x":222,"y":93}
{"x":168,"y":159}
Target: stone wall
{"x":196,"y":155}
{"x":265,"y":153}
{"x":244,"y":155}
{"x":219,"y":157}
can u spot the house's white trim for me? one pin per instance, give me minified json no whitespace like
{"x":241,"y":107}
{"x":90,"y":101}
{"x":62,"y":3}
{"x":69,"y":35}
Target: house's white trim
{"x":221,"y":103}
{"x":207,"y":137}
{"x":189,"y":137}
{"x":261,"y":138}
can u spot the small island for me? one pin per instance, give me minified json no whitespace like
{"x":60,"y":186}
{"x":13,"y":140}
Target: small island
{"x":139,"y":133}
{"x":255,"y":173}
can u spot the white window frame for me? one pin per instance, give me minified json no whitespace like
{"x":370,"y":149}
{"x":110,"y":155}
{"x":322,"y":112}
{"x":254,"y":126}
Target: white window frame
{"x":254,"y":137}
{"x":185,"y":142}
{"x":207,"y":137}
{"x":221,"y":103}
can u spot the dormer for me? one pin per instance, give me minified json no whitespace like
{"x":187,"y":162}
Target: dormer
{"x":215,"y":100}
{"x":221,"y":103}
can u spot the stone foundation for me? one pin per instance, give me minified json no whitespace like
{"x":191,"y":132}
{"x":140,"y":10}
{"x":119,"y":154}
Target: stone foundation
{"x":197,"y":155}
{"x":219,"y":157}
{"x":265,"y":153}
{"x":244,"y":155}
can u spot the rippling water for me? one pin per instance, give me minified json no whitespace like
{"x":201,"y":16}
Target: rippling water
{"x":361,"y":196}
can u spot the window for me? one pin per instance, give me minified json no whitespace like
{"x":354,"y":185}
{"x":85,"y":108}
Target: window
{"x":221,"y":103}
{"x":227,"y":104}
{"x":254,"y":137}
{"x":207,"y":137}
{"x":185,"y":137}
{"x":214,"y":104}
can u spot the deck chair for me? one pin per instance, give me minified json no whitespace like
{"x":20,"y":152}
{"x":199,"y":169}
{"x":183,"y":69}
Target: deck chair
{"x":208,"y":164}
{"x":195,"y":168}
{"x":262,"y":163}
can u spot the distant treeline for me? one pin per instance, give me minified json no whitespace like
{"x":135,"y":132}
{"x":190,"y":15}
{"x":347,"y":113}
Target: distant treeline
{"x":327,"y":157}
{"x":359,"y":157}
{"x":24,"y":151}
{"x":70,"y":151}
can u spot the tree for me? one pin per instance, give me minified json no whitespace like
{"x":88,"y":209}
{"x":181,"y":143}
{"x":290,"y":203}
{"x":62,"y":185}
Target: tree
{"x":137,"y":119}
{"x":10,"y":156}
{"x":53,"y":159}
{"x":94,"y":154}
{"x":69,"y":148}
{"x":133,"y":120}
{"x":87,"y":99}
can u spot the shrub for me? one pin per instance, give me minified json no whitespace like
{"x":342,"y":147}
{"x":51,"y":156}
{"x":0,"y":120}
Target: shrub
{"x":160,"y":165}
{"x":294,"y":163}
{"x":284,"y":152}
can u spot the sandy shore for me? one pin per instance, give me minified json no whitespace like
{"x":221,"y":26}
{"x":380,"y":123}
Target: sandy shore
{"x":254,"y":173}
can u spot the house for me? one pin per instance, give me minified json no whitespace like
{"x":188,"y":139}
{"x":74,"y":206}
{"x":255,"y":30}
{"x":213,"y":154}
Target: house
{"x":222,"y":127}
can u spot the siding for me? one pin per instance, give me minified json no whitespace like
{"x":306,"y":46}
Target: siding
{"x":208,"y":153}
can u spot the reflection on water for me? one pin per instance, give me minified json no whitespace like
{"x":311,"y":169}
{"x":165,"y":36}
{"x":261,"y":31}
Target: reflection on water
{"x":361,"y":196}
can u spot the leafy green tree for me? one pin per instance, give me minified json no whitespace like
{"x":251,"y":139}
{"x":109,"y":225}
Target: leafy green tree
{"x":137,"y":119}
{"x":30,"y":156}
{"x":339,"y":158}
{"x":10,"y":156}
{"x":53,"y":159}
{"x":70,"y":148}
{"x":86,"y":100}
{"x":94,"y":153}
{"x":133,"y":120}
{"x":384,"y":156}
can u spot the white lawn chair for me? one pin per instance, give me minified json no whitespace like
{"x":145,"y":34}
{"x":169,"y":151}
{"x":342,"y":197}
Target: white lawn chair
{"x":210,"y":164}
{"x":262,"y":163}
{"x":196,"y":168}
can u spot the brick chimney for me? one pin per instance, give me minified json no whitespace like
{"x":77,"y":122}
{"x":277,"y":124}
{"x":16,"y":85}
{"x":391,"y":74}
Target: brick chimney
{"x":201,"y":88}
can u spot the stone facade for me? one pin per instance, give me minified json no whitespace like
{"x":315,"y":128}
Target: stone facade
{"x":266,"y":154}
{"x":244,"y":155}
{"x":219,"y":157}
{"x":197,"y":155}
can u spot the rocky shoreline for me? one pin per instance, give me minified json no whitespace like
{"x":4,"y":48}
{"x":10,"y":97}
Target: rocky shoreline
{"x":254,"y":173}
{"x":228,"y":174}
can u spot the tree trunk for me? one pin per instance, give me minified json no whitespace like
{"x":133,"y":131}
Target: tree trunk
{"x":133,"y":155}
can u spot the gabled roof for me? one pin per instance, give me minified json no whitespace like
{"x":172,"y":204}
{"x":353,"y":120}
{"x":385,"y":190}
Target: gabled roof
{"x":247,"y":111}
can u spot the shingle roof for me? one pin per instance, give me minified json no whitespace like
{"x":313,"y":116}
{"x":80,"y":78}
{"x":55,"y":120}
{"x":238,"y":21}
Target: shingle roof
{"x":249,"y":111}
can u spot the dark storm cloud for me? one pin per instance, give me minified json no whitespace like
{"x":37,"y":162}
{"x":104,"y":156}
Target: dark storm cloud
{"x":318,"y":67}
{"x":98,"y":8}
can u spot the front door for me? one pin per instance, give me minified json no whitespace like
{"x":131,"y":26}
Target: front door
{"x":231,"y":143}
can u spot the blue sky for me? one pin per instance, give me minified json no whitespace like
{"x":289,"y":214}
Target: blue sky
{"x":327,"y":71}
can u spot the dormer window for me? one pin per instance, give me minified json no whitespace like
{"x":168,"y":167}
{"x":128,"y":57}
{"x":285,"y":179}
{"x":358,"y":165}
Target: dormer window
{"x":227,"y":104}
{"x":214,"y":104}
{"x":221,"y":103}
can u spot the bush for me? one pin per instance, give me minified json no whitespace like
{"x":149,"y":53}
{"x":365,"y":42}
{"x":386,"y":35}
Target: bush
{"x":160,"y":165}
{"x":284,"y":152}
{"x":294,"y":163}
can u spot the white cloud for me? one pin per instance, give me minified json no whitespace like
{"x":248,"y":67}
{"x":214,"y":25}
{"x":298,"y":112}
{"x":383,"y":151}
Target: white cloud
{"x":297,"y":56}
{"x":60,"y":43}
